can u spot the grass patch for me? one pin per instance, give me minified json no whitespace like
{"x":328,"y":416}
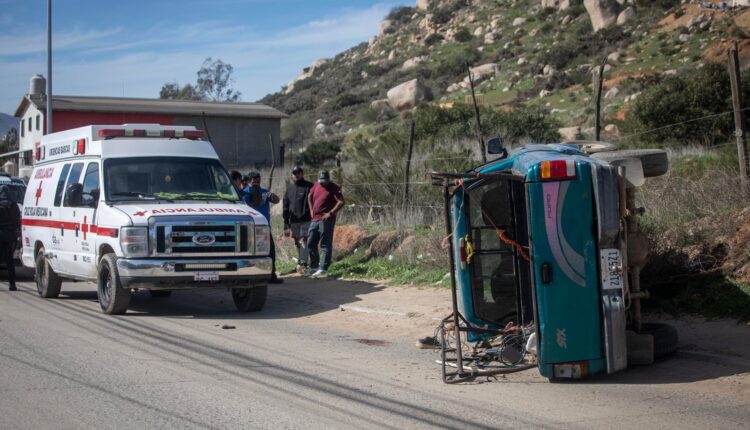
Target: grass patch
{"x":388,"y":269}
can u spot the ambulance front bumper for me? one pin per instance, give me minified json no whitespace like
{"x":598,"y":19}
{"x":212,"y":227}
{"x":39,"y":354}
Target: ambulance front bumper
{"x":193,"y":273}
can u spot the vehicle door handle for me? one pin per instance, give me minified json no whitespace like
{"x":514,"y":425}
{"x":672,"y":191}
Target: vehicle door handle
{"x":62,"y":230}
{"x":76,"y":230}
{"x":546,"y":273}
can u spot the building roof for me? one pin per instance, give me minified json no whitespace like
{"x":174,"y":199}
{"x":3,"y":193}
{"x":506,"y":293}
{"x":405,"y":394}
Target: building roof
{"x":156,"y":106}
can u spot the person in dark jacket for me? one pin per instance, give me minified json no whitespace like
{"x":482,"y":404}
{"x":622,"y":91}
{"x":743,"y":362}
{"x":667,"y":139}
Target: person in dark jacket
{"x":10,"y":222}
{"x":297,"y":215}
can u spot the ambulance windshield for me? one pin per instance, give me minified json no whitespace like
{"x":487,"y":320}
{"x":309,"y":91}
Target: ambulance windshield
{"x":167,"y":178}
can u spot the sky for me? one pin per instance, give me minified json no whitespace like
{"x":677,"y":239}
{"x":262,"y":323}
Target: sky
{"x":131,"y":48}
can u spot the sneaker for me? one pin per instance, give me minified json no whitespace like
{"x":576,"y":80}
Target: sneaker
{"x":320,"y":273}
{"x":429,"y":342}
{"x":308,"y":272}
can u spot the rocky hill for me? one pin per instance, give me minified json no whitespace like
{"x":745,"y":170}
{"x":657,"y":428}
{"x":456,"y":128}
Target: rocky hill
{"x":523,"y":53}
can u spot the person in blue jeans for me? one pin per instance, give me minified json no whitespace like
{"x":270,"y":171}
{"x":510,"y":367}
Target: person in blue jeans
{"x":324,"y":200}
{"x":261,"y":199}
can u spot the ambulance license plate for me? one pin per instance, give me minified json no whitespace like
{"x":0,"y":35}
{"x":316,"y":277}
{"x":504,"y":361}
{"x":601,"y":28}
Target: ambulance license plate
{"x":611,"y":264}
{"x":206,"y":276}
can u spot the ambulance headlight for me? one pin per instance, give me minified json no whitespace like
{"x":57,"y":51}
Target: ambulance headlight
{"x":134,"y":241}
{"x":262,"y":240}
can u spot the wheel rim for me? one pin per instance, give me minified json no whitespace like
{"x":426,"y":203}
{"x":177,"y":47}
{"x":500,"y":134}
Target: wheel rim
{"x":241,"y":293}
{"x":105,"y":289}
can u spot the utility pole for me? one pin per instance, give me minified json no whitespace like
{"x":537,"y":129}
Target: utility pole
{"x":476,"y":113}
{"x":739,"y":115}
{"x":599,"y":88}
{"x":49,"y":66}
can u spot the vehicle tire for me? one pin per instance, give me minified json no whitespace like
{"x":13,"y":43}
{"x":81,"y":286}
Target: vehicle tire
{"x":250,"y":299}
{"x":48,"y":283}
{"x":113,"y":298}
{"x":665,"y":338}
{"x":158,"y":294}
{"x":654,"y":161}
{"x":593,"y":146}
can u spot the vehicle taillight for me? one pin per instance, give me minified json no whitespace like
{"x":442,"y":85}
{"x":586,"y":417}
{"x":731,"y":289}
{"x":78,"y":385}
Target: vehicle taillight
{"x":79,"y":147}
{"x":462,"y":252}
{"x":575,"y":370}
{"x":558,"y":169}
{"x":194,"y":134}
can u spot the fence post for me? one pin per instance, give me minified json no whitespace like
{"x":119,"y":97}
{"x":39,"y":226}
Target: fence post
{"x":408,"y":164}
{"x":476,"y":113}
{"x":739,"y":115}
{"x":599,"y":88}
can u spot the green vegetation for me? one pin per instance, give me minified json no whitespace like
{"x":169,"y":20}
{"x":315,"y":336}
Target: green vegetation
{"x":391,"y":270}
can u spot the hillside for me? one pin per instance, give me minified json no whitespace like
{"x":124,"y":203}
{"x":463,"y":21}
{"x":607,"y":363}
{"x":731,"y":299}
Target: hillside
{"x":525,"y":53}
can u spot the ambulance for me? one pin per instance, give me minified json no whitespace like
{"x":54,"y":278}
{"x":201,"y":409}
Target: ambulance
{"x":141,"y":207}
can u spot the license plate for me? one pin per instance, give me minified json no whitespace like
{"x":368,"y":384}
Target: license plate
{"x":206,"y":276}
{"x":612,"y":270}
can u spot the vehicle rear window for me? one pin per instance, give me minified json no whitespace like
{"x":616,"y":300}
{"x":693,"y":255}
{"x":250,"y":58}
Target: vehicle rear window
{"x":61,"y":184}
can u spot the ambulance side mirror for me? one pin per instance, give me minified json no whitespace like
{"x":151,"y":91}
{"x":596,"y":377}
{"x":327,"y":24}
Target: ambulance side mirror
{"x":74,"y":195}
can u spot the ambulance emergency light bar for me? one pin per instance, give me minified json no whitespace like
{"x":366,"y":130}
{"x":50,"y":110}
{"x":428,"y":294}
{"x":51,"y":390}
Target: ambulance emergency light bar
{"x":109,"y":133}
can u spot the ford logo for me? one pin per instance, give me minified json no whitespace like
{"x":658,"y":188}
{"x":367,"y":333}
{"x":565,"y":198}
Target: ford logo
{"x":204,"y":239}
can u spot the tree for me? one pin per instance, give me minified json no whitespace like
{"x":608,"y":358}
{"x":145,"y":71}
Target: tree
{"x":214,"y":83}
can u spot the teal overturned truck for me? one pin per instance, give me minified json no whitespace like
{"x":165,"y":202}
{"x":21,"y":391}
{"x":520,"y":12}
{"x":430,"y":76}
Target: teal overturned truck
{"x":545,"y":257}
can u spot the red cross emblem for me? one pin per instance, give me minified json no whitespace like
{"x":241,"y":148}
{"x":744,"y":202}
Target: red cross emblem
{"x":85,"y":227}
{"x":38,"y":193}
{"x":140,"y":213}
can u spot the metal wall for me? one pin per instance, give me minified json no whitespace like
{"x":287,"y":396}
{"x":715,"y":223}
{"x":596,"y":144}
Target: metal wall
{"x":240,"y":142}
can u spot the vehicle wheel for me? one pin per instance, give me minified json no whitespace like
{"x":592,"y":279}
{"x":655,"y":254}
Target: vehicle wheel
{"x":113,"y":298}
{"x":158,"y":294}
{"x":593,"y":146}
{"x":47,"y":282}
{"x":654,"y":161}
{"x":665,"y":338}
{"x":250,"y":299}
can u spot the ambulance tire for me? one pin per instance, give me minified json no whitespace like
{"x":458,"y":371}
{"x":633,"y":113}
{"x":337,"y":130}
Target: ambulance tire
{"x":113,"y":298}
{"x":250,"y":299}
{"x":48,"y":284}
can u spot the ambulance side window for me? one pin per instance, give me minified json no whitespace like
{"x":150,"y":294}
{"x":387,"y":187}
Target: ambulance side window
{"x":61,"y":184}
{"x":91,"y":184}
{"x":75,"y":175}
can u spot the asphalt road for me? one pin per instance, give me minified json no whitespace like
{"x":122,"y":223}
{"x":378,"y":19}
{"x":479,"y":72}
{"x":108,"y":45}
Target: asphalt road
{"x":169,"y":364}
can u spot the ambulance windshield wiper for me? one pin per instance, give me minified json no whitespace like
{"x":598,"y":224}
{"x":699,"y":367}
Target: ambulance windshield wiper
{"x":203,"y":196}
{"x":141,"y":196}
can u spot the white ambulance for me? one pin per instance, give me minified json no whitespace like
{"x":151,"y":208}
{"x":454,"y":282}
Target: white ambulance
{"x":141,"y":206}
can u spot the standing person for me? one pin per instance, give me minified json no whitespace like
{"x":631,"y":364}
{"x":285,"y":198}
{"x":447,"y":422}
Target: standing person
{"x":261,"y":199}
{"x":10,"y":222}
{"x":297,"y":215}
{"x":325,"y":200}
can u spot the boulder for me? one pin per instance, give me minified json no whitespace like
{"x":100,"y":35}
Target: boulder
{"x":684,"y":38}
{"x":349,"y":237}
{"x":479,"y":31}
{"x":566,"y":20}
{"x":625,"y":16}
{"x":490,"y":38}
{"x":611,"y":131}
{"x":481,"y":73}
{"x":548,"y":70}
{"x":380,"y":105}
{"x":386,"y":27}
{"x":413,"y":62}
{"x":521,"y":61}
{"x":613,"y":57}
{"x":568,"y":134}
{"x":423,"y":4}
{"x":453,"y":87}
{"x":306,"y":73}
{"x":544,"y":93}
{"x":407,"y":95}
{"x":495,"y":23}
{"x":385,"y":243}
{"x":612,"y":93}
{"x":519,"y":22}
{"x":601,"y":12}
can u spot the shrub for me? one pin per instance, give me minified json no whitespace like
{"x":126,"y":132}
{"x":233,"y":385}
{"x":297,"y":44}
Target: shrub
{"x":463,"y":35}
{"x":433,"y":39}
{"x":453,"y":61}
{"x":400,"y":14}
{"x":442,"y":12}
{"x":320,"y":153}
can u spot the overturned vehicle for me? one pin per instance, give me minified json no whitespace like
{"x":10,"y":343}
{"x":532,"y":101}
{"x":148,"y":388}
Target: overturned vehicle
{"x":546,"y":256}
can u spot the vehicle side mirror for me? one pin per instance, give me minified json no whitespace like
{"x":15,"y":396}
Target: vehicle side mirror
{"x":74,"y":195}
{"x":495,"y":147}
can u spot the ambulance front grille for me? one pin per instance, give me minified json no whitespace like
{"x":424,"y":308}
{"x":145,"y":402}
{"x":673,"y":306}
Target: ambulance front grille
{"x":196,"y":239}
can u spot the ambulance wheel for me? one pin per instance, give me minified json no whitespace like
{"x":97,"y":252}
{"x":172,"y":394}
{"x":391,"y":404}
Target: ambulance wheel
{"x":250,"y":299}
{"x":158,"y":294}
{"x":47,"y":282}
{"x":113,"y":298}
